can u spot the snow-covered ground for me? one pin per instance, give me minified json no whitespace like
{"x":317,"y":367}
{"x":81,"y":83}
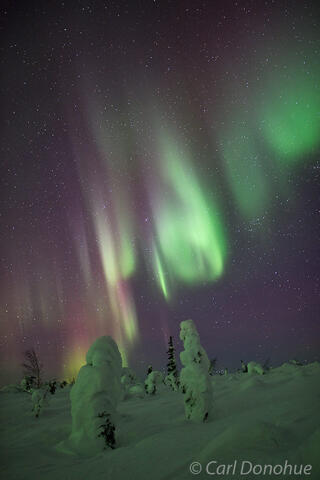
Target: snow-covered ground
{"x":262,"y":419}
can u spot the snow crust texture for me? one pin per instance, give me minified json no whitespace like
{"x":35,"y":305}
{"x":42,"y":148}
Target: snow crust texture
{"x":264,"y":419}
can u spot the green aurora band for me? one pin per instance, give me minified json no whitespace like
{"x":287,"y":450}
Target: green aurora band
{"x":291,"y":120}
{"x":287,"y":119}
{"x":161,"y":278}
{"x":190,"y":239}
{"x":244,"y":172}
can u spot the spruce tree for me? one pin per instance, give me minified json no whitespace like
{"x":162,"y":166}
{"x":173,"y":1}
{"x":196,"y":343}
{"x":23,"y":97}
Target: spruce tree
{"x":212,"y":367}
{"x":244,"y":367}
{"x":172,"y":366}
{"x":107,"y":430}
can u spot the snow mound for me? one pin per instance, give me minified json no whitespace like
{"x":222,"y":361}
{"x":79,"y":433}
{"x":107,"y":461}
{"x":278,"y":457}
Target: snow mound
{"x":153,"y":381}
{"x":94,"y":397}
{"x":11,"y":389}
{"x":195,"y":381}
{"x":255,"y":368}
{"x":136,"y":391}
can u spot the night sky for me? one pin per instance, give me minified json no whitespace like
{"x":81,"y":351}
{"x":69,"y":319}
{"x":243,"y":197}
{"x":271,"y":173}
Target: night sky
{"x":160,"y":162}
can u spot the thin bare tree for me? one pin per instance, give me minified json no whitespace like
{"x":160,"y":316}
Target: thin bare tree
{"x":33,"y":367}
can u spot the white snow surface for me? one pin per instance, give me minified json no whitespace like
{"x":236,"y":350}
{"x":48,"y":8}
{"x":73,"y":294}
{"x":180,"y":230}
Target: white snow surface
{"x":264,"y":419}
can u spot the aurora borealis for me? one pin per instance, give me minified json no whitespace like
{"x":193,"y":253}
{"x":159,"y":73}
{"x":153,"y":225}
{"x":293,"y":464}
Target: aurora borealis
{"x":187,"y":226}
{"x":161,"y":162}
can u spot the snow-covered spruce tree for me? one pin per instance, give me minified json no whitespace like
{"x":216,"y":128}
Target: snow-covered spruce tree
{"x":128,"y":380}
{"x":212,"y":366}
{"x":33,"y":367}
{"x":244,"y":367}
{"x":255,"y":368}
{"x":94,"y":396}
{"x":39,"y":400}
{"x":128,"y":377}
{"x":136,"y":391}
{"x":154,"y":379}
{"x":296,"y":362}
{"x":28,"y":383}
{"x":52,"y":385}
{"x":172,"y":379}
{"x":148,"y":373}
{"x":266,"y":365}
{"x":195,"y":381}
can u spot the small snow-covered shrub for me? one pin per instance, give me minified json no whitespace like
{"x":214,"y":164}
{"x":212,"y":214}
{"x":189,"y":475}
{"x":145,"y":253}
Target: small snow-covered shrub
{"x":52,"y":385}
{"x":154,"y":379}
{"x":128,"y":376}
{"x":296,"y":362}
{"x":266,"y":365}
{"x":28,"y":383}
{"x":254,"y":367}
{"x":212,"y":366}
{"x":244,"y":367}
{"x":39,"y":399}
{"x":136,"y":391}
{"x":194,"y":378}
